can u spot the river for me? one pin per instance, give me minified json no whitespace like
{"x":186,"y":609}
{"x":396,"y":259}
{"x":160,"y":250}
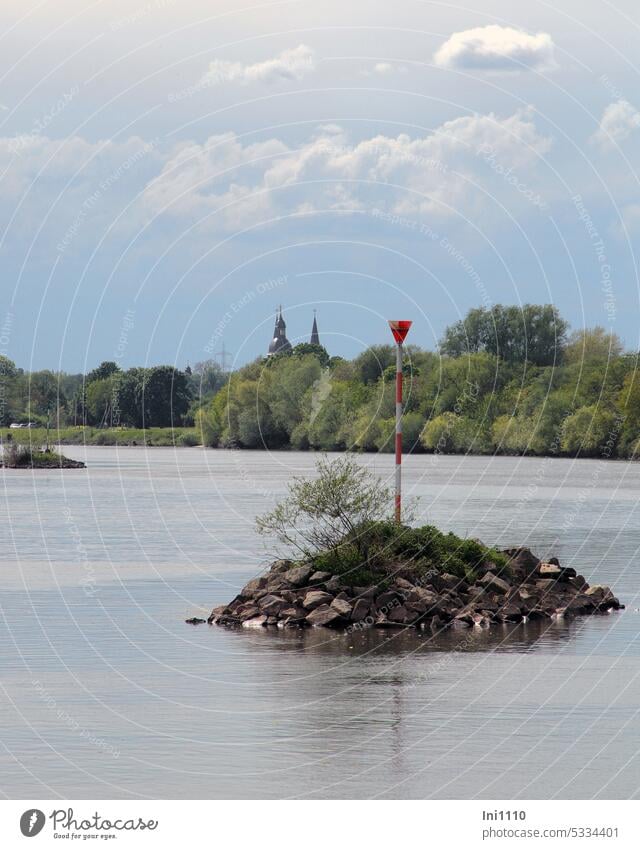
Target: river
{"x":107,"y":693}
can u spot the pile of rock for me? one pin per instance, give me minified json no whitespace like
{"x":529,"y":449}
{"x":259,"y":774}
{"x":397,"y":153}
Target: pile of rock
{"x":291,"y":596}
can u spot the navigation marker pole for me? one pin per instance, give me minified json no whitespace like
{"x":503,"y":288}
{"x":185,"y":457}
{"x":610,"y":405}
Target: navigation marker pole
{"x":399,"y":330}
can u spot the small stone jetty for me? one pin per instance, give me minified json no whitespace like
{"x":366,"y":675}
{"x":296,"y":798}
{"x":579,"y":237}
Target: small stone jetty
{"x":527,"y":588}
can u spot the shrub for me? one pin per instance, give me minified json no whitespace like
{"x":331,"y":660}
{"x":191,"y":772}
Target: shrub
{"x":322,"y":514}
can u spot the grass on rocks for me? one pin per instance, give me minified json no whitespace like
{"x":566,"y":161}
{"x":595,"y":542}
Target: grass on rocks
{"x":382,"y":550}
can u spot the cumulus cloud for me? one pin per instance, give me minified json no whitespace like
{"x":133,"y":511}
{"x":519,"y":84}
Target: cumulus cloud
{"x":385,"y":69}
{"x":619,"y":120}
{"x":496,"y":48}
{"x":241,"y":184}
{"x":292,"y":64}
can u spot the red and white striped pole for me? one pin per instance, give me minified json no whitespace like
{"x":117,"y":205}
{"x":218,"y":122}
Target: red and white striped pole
{"x":399,"y":330}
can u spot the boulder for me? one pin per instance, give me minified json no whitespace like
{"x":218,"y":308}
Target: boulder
{"x":324,"y":617}
{"x":333,"y":585}
{"x":216,"y":613}
{"x":320,"y":577}
{"x":365,"y":592}
{"x":253,"y":587}
{"x":298,"y":576}
{"x":522,"y":558}
{"x":494,"y":583}
{"x":315,"y":598}
{"x":248,"y":611}
{"x":194,"y":621}
{"x":342,"y":607}
{"x":360,"y":610}
{"x":271,"y":604}
{"x":276,"y":583}
{"x":256,"y":622}
{"x":400,"y":615}
{"x":510,"y":613}
{"x":281,"y":566}
{"x":388,"y":599}
{"x":560,"y":573}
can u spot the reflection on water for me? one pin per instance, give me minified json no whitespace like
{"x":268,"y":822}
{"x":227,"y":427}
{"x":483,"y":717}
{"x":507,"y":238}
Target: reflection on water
{"x":107,"y":693}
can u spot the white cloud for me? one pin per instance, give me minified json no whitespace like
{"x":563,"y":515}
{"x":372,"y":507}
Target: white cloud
{"x":385,"y":69}
{"x":292,"y":64}
{"x":618,"y":121}
{"x":246,"y":183}
{"x":496,"y":48}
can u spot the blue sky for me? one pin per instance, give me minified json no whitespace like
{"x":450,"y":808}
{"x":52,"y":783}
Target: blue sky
{"x":172,"y":171}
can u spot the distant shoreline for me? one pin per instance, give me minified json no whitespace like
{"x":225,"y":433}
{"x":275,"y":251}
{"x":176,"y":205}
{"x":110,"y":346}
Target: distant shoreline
{"x":190,"y":437}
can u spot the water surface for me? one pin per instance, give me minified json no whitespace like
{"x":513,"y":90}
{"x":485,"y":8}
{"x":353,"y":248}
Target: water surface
{"x":106,"y":692}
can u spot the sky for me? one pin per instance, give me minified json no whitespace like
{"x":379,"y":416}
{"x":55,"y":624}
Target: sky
{"x":173,"y":170}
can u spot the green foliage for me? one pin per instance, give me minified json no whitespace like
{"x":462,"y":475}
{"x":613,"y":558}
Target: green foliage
{"x":507,"y":380}
{"x":321,"y":514}
{"x":589,"y":431}
{"x":536,"y":334}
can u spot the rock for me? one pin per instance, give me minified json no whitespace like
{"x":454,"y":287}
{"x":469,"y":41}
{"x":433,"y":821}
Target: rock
{"x":276,"y":583}
{"x":481,"y":621}
{"x":425,"y":598}
{"x":492,"y":581}
{"x":360,"y":610}
{"x":333,"y":585}
{"x":387,"y":599}
{"x":436,"y":625}
{"x":364,"y":592}
{"x":320,"y":577}
{"x":509,"y":613}
{"x":403,"y":584}
{"x":554,"y":561}
{"x":194,"y":621}
{"x":579,"y":582}
{"x":299,"y":576}
{"x":547,"y":585}
{"x":256,"y":622}
{"x":216,"y":613}
{"x":522,"y":558}
{"x":451,"y":581}
{"x":552,"y":570}
{"x":400,"y":615}
{"x":342,"y":607}
{"x":271,"y":604}
{"x":281,"y":566}
{"x":251,"y":588}
{"x":324,"y":616}
{"x":248,"y":611}
{"x":315,"y":598}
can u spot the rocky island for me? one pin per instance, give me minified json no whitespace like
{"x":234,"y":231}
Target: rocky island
{"x":357,"y":568}
{"x":517,"y":589}
{"x":27,"y":457}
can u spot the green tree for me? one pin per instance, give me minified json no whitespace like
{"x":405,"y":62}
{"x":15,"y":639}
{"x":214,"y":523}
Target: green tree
{"x":532,"y":333}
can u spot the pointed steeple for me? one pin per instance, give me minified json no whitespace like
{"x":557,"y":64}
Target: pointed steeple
{"x":279,"y":341}
{"x":315,"y":338}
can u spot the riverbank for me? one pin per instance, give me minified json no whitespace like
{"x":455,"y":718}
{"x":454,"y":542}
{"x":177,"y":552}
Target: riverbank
{"x":184,"y":437}
{"x":515,"y":587}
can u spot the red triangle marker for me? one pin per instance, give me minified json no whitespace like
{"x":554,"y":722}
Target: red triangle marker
{"x":400,"y":330}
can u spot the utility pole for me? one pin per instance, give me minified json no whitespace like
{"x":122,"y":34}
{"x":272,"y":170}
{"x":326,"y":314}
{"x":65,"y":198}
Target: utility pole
{"x":224,"y":355}
{"x":399,"y":330}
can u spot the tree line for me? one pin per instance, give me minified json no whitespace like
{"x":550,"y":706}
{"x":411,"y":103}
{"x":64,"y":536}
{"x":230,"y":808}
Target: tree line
{"x":160,"y":396}
{"x":509,"y":380}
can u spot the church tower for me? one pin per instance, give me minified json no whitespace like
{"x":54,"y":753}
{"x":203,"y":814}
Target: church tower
{"x":315,"y":338}
{"x":279,"y":342}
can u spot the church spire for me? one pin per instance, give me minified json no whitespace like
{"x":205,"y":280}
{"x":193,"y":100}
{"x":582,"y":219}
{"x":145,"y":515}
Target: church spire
{"x":279,"y":342}
{"x":315,"y":338}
